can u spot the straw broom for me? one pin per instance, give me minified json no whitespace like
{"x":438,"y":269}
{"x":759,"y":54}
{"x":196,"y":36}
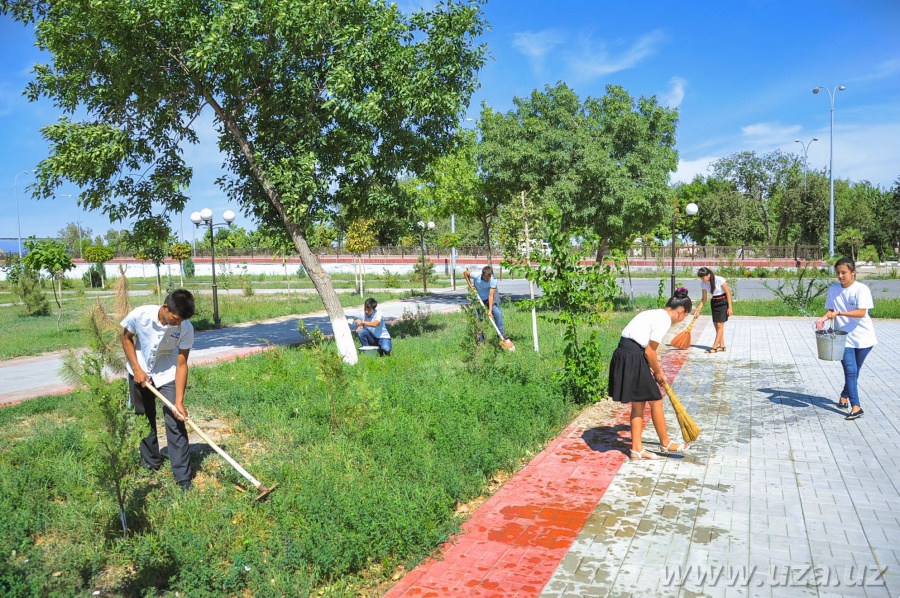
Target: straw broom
{"x":682,"y":340}
{"x":689,"y":430}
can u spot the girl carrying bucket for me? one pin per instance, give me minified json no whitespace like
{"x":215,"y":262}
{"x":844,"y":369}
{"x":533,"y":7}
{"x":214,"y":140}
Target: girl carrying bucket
{"x":848,"y":305}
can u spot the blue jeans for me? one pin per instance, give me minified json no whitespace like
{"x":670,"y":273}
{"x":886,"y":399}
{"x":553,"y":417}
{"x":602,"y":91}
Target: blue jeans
{"x":852,"y":363}
{"x":367,"y":338}
{"x":498,"y":317}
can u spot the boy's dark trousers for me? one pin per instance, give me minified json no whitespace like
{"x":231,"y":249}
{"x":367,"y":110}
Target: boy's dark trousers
{"x":176,"y":432}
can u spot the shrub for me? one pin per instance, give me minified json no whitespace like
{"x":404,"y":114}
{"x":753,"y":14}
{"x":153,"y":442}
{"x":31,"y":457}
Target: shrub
{"x":391,"y":279}
{"x":28,"y":288}
{"x":188,"y":267}
{"x":423,"y":266}
{"x":799,"y":294}
{"x":93,"y":277}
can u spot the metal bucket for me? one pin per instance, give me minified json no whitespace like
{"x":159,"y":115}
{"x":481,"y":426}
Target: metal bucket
{"x":830,"y":344}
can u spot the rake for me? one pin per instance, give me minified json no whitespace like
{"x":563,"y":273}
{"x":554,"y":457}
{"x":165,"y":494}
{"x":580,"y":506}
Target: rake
{"x":504,"y":342}
{"x":263,"y":490}
{"x":689,"y":429}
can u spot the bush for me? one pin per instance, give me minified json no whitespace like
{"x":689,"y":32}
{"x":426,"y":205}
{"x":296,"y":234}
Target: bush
{"x":188,"y":267}
{"x":28,"y":289}
{"x":423,"y":266}
{"x":391,"y":279}
{"x":868,"y":254}
{"x":93,"y":278}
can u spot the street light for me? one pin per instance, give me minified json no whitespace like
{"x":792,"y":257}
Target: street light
{"x":691,"y":210}
{"x":422,"y":227}
{"x":831,"y":94}
{"x":206,"y":215}
{"x":805,"y":157}
{"x":19,"y":222}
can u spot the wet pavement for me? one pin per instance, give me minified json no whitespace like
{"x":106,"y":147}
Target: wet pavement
{"x":780,"y":496}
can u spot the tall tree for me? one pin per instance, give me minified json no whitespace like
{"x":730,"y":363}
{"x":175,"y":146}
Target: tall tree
{"x":762,"y":181}
{"x":314,"y":102}
{"x":604,"y":162}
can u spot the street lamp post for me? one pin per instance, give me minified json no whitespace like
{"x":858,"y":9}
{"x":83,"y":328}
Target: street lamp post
{"x":831,"y":94}
{"x":691,"y":210}
{"x":206,"y":215}
{"x":18,"y":221}
{"x":422,"y":227}
{"x":805,"y":147}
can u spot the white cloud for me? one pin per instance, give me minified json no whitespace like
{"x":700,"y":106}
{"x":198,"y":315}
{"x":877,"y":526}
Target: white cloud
{"x":675,"y":95}
{"x":766,"y":135}
{"x":883,"y":70}
{"x":536,"y":45}
{"x":595,"y":58}
{"x":688,"y":169}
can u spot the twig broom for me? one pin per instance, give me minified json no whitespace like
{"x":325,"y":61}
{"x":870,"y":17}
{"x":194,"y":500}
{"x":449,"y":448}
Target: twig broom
{"x":689,"y":430}
{"x":682,"y":340}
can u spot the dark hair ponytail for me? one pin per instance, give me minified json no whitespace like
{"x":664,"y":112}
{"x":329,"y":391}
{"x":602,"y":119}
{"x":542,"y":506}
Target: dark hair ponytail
{"x":680,"y":299}
{"x":703,"y":271}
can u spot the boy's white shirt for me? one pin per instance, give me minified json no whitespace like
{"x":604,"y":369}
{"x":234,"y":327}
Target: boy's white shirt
{"x":157,"y":345}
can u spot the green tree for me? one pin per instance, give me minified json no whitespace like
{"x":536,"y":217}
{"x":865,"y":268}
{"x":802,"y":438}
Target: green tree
{"x":887,"y":216}
{"x":149,"y":240}
{"x":99,"y":254}
{"x":604,"y":162}
{"x":314,"y":103}
{"x":453,"y":186}
{"x":180,"y":252}
{"x":53,"y":257}
{"x":761,"y":180}
{"x":360,"y":239}
{"x":75,"y":237}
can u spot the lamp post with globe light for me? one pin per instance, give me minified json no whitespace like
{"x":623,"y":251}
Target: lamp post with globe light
{"x":206,"y":215}
{"x":831,"y":94}
{"x":691,"y":210}
{"x":423,"y":226}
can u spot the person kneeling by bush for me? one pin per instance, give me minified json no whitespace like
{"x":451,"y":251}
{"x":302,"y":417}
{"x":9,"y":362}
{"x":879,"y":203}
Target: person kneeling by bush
{"x":371,"y":330}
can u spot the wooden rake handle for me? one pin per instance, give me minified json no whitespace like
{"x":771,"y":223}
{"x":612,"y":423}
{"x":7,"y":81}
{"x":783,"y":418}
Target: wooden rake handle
{"x":256,"y":483}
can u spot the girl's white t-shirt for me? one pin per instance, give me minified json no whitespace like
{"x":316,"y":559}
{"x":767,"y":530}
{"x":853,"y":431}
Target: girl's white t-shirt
{"x":860,"y":331}
{"x":650,"y":325}
{"x":720,"y":284}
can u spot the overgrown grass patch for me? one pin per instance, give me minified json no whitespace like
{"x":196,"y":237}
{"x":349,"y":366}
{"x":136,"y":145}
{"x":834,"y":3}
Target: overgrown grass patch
{"x":367,"y":482}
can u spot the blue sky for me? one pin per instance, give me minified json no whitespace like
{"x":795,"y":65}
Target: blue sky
{"x":741,"y":74}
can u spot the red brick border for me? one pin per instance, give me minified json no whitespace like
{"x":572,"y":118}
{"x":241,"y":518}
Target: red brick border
{"x":513,"y":543}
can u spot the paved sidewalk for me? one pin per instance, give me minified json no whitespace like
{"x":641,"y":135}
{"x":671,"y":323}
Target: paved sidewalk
{"x":780,"y":496}
{"x":28,"y":377}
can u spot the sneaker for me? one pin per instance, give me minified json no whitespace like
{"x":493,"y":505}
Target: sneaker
{"x":854,"y":414}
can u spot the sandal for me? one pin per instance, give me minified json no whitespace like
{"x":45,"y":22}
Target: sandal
{"x":667,"y":448}
{"x":644,"y":454}
{"x":711,"y":350}
{"x":721,"y":349}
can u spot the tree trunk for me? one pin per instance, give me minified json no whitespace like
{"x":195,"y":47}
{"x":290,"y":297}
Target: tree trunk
{"x":343,"y":338}
{"x":58,"y":304}
{"x":158,"y":285}
{"x":486,"y":228}
{"x":324,"y":286}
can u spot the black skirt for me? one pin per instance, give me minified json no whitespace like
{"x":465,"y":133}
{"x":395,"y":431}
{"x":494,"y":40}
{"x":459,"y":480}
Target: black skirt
{"x":719,"y":307}
{"x":630,"y":377}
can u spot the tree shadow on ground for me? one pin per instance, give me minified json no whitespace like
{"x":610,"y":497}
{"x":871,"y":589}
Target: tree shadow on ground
{"x":796,"y":399}
{"x":608,"y":438}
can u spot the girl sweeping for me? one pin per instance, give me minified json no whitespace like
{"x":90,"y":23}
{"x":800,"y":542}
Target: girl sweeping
{"x":848,"y":304}
{"x":720,"y":304}
{"x":634,"y":371}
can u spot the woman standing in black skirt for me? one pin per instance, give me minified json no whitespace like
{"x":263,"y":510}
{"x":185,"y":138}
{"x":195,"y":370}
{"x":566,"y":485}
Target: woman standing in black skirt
{"x":720,"y":304}
{"x":634,"y":371}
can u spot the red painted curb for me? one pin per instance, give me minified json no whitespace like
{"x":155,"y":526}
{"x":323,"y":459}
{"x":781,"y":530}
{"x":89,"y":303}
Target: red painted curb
{"x":513,"y":543}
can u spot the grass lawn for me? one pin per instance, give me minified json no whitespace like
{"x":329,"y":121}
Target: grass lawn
{"x":371,"y":461}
